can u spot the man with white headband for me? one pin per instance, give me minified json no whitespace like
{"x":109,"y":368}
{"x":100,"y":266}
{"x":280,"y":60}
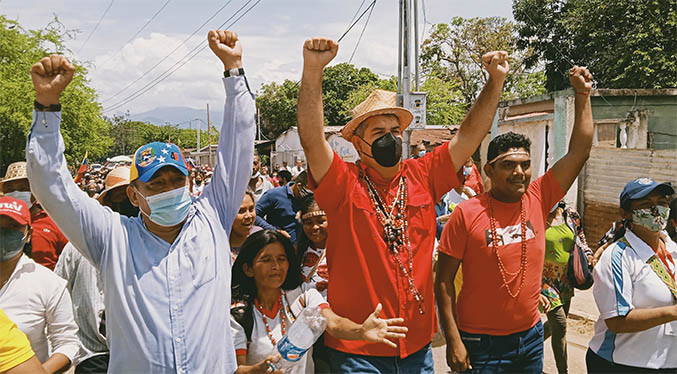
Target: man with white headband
{"x":499,"y":238}
{"x":166,"y":273}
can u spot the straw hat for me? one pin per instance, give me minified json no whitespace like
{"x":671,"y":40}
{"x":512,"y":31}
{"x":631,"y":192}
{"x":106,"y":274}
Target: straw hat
{"x":118,"y":177}
{"x":379,"y":102}
{"x":15,"y":171}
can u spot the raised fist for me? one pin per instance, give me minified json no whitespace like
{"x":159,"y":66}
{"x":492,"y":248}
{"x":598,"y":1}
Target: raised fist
{"x":226,"y":46}
{"x":50,"y":77}
{"x":496,"y":63}
{"x":318,"y":52}
{"x":581,"y":80}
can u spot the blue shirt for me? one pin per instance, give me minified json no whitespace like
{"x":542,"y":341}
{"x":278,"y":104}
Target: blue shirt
{"x":279,"y":207}
{"x":167,"y":305}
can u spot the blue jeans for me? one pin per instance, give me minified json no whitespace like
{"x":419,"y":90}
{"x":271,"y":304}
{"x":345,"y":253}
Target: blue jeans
{"x":418,"y":362}
{"x":520,"y":352}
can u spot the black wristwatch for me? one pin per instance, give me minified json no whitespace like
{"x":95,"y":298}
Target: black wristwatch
{"x":46,"y":108}
{"x":233,"y":72}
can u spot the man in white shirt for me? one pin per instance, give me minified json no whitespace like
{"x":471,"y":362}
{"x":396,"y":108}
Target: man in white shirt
{"x":298,"y":169}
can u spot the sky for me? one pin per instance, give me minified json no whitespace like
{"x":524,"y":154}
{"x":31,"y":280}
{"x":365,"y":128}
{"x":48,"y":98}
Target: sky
{"x":272,"y":35}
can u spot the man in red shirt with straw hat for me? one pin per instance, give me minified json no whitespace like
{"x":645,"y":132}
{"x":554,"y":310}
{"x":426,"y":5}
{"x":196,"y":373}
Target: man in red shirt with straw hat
{"x":382,"y":210}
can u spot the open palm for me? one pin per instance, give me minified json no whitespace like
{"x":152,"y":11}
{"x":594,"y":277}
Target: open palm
{"x":379,"y":330}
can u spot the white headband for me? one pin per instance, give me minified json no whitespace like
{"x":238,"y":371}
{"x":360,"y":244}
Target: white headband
{"x":511,"y":153}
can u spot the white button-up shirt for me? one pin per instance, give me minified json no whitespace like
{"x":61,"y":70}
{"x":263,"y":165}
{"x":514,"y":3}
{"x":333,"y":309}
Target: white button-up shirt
{"x":167,"y":305}
{"x":37,"y":301}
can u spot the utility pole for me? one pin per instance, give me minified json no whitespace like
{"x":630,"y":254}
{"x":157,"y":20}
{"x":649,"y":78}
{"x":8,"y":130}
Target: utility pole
{"x":209,"y":138}
{"x":199,"y":130}
{"x":414,"y":101}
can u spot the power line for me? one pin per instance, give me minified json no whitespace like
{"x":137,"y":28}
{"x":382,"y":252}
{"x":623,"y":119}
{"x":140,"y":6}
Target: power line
{"x":180,"y":64}
{"x":356,"y":21}
{"x":138,"y":32}
{"x":357,"y":11}
{"x":97,"y":25}
{"x":170,"y":53}
{"x":362,"y":33}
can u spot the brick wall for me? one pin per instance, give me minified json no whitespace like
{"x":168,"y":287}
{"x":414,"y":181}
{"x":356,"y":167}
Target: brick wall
{"x":598,"y":219}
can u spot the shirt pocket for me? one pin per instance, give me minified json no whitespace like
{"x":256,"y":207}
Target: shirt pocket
{"x":200,"y":255}
{"x":421,"y":214}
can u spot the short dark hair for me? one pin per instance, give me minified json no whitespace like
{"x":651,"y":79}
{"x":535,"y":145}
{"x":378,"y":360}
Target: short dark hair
{"x":673,"y":209}
{"x":504,"y":142}
{"x":284,"y":174}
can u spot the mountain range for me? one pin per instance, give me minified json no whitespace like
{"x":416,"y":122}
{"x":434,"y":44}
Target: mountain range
{"x":179,"y":115}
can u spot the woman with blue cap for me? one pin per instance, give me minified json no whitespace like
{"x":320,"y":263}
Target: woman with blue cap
{"x":635,"y":288}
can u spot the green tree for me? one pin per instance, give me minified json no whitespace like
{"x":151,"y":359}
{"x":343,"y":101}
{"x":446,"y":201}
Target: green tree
{"x":277,"y":106}
{"x":625,"y":44}
{"x":453,"y":53}
{"x":83,"y":128}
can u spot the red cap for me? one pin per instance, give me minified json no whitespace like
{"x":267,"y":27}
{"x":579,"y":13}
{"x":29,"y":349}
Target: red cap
{"x":15,"y":209}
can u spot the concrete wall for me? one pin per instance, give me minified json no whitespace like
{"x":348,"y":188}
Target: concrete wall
{"x":661,"y":109}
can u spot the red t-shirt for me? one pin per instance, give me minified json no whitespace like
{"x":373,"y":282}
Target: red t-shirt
{"x":47,"y":241}
{"x":362,"y":271}
{"x":484,"y":305}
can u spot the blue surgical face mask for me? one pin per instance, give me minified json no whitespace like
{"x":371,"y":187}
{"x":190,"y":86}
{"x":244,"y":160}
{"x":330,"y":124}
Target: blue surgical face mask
{"x":169,"y":208}
{"x":11,"y":243}
{"x":24,"y":196}
{"x":421,"y":153}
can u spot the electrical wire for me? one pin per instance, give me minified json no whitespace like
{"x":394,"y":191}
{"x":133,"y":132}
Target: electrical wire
{"x":357,"y":11}
{"x":362,"y":33}
{"x":170,"y":53}
{"x":356,"y":21}
{"x":97,"y":25}
{"x":179,"y":63}
{"x":138,"y":32}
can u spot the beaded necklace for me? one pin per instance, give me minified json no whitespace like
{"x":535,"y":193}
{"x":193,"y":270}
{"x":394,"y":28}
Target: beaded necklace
{"x":396,"y":231}
{"x":265,"y":321}
{"x":523,"y":261}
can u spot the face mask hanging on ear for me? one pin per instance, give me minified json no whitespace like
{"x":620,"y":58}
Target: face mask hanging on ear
{"x":169,"y":208}
{"x":386,"y":150}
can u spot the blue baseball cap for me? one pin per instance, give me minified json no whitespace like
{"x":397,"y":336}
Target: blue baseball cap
{"x":151,"y":157}
{"x":640,"y":188}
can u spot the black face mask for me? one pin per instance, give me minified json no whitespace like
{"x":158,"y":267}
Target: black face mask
{"x":125,"y":208}
{"x":386,"y":150}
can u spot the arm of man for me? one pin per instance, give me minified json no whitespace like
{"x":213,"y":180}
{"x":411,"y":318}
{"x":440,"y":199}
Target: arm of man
{"x":30,"y":366}
{"x":642,"y":319}
{"x":445,"y":295}
{"x":61,"y":331}
{"x":477,"y":122}
{"x":567,"y":168}
{"x":236,"y":143}
{"x":81,"y":219}
{"x":451,"y":253}
{"x":317,"y":53}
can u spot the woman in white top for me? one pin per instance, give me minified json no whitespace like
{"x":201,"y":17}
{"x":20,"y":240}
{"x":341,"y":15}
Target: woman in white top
{"x":31,"y":295}
{"x":266,"y":283}
{"x":635,"y":289}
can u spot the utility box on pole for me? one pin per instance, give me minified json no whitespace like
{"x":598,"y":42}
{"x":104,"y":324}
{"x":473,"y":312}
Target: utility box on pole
{"x":416,"y":103}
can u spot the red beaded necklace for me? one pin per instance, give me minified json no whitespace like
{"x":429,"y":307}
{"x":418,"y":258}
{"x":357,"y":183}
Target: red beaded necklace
{"x":265,"y":320}
{"x":523,"y":261}
{"x":396,"y":231}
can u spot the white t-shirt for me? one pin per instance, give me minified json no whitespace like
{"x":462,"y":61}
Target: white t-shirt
{"x":320,"y":279}
{"x":260,"y":346}
{"x":623,"y":282}
{"x":38,"y":302}
{"x":295,"y":171}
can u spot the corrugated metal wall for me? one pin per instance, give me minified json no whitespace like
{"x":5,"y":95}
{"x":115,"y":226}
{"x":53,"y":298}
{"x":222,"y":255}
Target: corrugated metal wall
{"x":606,"y":173}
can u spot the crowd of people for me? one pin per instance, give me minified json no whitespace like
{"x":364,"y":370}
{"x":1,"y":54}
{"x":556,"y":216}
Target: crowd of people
{"x":167,"y":267}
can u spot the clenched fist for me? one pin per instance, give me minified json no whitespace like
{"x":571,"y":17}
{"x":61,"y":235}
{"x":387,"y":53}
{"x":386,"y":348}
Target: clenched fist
{"x":318,"y":52}
{"x":496,"y":63}
{"x":226,"y":46}
{"x":50,"y":77}
{"x":581,"y":80}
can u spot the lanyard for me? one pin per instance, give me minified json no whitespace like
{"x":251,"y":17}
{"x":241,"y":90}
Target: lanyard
{"x":666,"y":257}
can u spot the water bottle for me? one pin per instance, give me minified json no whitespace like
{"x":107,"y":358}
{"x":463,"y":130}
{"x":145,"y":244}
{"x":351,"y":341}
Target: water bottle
{"x":302,"y":334}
